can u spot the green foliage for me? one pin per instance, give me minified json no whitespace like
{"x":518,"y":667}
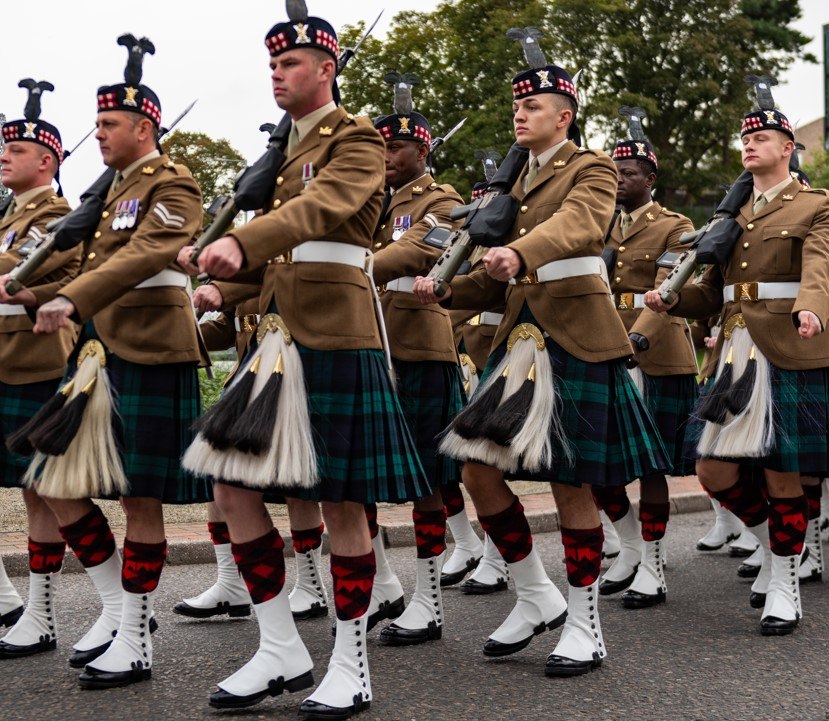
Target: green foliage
{"x":818,"y":170}
{"x":211,"y":389}
{"x":682,"y":60}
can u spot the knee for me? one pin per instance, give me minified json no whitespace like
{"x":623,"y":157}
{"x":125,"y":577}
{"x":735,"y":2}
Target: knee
{"x":227,"y":499}
{"x":477,"y":478}
{"x":34,"y":503}
{"x":139,"y":509}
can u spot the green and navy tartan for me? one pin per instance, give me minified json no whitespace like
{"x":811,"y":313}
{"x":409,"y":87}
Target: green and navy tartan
{"x":431,"y":395}
{"x":18,"y":403}
{"x":671,"y":400}
{"x":157,"y":405}
{"x":612,"y":435}
{"x":800,"y":403}
{"x":365,"y":451}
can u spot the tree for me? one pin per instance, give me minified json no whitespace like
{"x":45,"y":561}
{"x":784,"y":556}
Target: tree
{"x":213,"y":163}
{"x":681,"y":60}
{"x":818,"y":170}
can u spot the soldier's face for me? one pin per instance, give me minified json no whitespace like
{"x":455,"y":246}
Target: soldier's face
{"x":765,"y":150}
{"x":296,"y":77}
{"x":122,"y":137}
{"x":538,"y":121}
{"x":633,"y":183}
{"x":404,"y":161}
{"x":21,"y":165}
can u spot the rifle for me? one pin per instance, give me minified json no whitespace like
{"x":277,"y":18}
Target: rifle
{"x":481,"y":226}
{"x":73,"y":228}
{"x":711,"y":244}
{"x":254,"y":184}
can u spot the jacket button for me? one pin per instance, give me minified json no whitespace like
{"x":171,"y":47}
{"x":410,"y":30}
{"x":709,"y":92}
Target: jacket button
{"x":784,"y":232}
{"x":378,"y":245}
{"x":617,"y":279}
{"x":97,"y":233}
{"x":620,"y":264}
{"x":280,"y":180}
{"x":105,"y":214}
{"x":621,"y":248}
{"x":750,"y":226}
{"x":383,"y":227}
{"x":91,"y":256}
{"x":523,"y":231}
{"x":647,"y":257}
{"x":524,"y":208}
{"x":745,"y":245}
{"x":744,"y":265}
{"x":277,"y":203}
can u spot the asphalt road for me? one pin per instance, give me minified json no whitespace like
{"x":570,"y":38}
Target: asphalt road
{"x":698,"y":657}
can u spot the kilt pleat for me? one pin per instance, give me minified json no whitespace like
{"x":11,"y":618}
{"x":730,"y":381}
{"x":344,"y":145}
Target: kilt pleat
{"x":800,"y":411}
{"x":431,"y":394}
{"x":671,"y":400}
{"x":611,"y":433}
{"x":18,"y":403}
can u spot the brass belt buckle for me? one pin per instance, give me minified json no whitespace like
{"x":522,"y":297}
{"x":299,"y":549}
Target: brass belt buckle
{"x":474,"y":321}
{"x":285,"y":258}
{"x":529,"y":279}
{"x":249,"y":323}
{"x":749,"y":291}
{"x":624,"y":301}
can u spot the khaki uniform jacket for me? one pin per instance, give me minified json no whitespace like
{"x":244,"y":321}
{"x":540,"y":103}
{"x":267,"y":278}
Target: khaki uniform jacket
{"x":150,"y":326}
{"x":416,"y":332}
{"x":24,"y":356}
{"x":565,"y":214}
{"x":326,"y":306}
{"x":221,"y":334}
{"x":787,"y":241}
{"x":655,"y":231}
{"x":700,"y":330}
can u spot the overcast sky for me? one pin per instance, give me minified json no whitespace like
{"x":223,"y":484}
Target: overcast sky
{"x":215,"y":52}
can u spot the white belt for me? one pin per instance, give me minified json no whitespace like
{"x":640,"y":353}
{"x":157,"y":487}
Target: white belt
{"x":327,"y":251}
{"x":630,"y":301}
{"x":402,"y":285}
{"x":486,"y":318}
{"x":6,"y":309}
{"x":561,"y":269}
{"x":759,"y":291}
{"x":166,"y":278}
{"x":237,"y":321}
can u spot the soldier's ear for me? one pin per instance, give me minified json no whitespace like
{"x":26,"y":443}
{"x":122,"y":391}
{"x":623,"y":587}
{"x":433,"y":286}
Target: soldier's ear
{"x":422,"y":151}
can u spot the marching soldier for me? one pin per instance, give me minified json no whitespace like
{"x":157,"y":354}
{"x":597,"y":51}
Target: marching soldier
{"x":135,"y":360}
{"x":531,"y":417}
{"x":31,"y":365}
{"x":319,"y":418}
{"x":767,"y":407}
{"x":666,"y":371}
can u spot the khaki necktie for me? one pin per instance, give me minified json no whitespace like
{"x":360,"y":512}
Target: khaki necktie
{"x":532,"y":172}
{"x":293,"y":139}
{"x":759,"y":204}
{"x":116,"y":181}
{"x":627,"y":222}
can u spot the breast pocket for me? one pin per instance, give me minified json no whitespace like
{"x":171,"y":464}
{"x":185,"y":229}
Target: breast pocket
{"x":783,"y":248}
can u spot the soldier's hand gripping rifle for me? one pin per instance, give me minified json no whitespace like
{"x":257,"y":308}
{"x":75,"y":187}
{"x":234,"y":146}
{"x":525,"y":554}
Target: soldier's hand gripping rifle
{"x":254,"y":184}
{"x":488,"y":220}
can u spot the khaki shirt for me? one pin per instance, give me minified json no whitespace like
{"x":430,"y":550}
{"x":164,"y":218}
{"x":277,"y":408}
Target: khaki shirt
{"x":787,"y":241}
{"x":654,"y":231}
{"x":24,"y":356}
{"x":416,"y":332}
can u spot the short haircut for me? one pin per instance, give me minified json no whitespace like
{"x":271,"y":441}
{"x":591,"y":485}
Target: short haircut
{"x":562,"y":102}
{"x":138,"y":117}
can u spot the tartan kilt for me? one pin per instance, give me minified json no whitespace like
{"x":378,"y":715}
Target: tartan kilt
{"x":431,"y":394}
{"x":613,"y":437}
{"x":18,"y":403}
{"x":365,"y":450}
{"x":800,"y":403}
{"x":671,"y":400}
{"x":156,"y":404}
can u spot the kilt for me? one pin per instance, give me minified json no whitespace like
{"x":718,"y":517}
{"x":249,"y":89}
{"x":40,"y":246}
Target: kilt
{"x":365,"y":451}
{"x":18,"y":403}
{"x":671,"y":400}
{"x":800,"y":403}
{"x":612,"y":436}
{"x":156,"y":407}
{"x":431,"y":395}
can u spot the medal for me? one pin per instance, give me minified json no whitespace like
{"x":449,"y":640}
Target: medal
{"x":307,"y":174}
{"x":401,"y":224}
{"x":8,"y":239}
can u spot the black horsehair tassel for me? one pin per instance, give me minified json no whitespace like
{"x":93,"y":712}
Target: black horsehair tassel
{"x":511,"y":415}
{"x":737,"y":400}
{"x":253,"y":431}
{"x":713,"y":407}
{"x":469,"y":422}
{"x":55,"y":435}
{"x":18,"y":442}
{"x":216,"y":423}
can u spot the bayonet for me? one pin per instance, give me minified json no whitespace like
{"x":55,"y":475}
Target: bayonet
{"x":437,"y":142}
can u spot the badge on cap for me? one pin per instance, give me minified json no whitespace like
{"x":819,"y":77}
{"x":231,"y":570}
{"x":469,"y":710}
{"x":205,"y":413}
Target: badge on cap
{"x":307,"y":174}
{"x":8,"y":239}
{"x":401,"y":224}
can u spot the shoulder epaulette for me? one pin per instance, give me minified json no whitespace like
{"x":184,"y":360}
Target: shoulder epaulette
{"x":671,"y":213}
{"x":821,"y":191}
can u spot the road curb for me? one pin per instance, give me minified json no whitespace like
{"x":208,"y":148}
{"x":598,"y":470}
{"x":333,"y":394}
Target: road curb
{"x":186,"y":553}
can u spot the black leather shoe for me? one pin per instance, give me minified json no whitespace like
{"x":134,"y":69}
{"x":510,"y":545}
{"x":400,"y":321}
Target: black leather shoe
{"x":747,"y":570}
{"x":757,"y":600}
{"x":496,"y":649}
{"x":773,"y":626}
{"x":182,"y":608}
{"x":317,"y":610}
{"x":608,"y":588}
{"x":561,"y":667}
{"x":276,"y":687}
{"x":387,"y":610}
{"x":313,"y":711}
{"x":634,"y":599}
{"x":739,"y":552}
{"x":9,"y":619}
{"x":394,"y":635}
{"x":93,"y":679}
{"x":450,"y":579}
{"x":476,"y":588}
{"x":79,"y":659}
{"x":8,"y":650}
{"x":705,"y":547}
